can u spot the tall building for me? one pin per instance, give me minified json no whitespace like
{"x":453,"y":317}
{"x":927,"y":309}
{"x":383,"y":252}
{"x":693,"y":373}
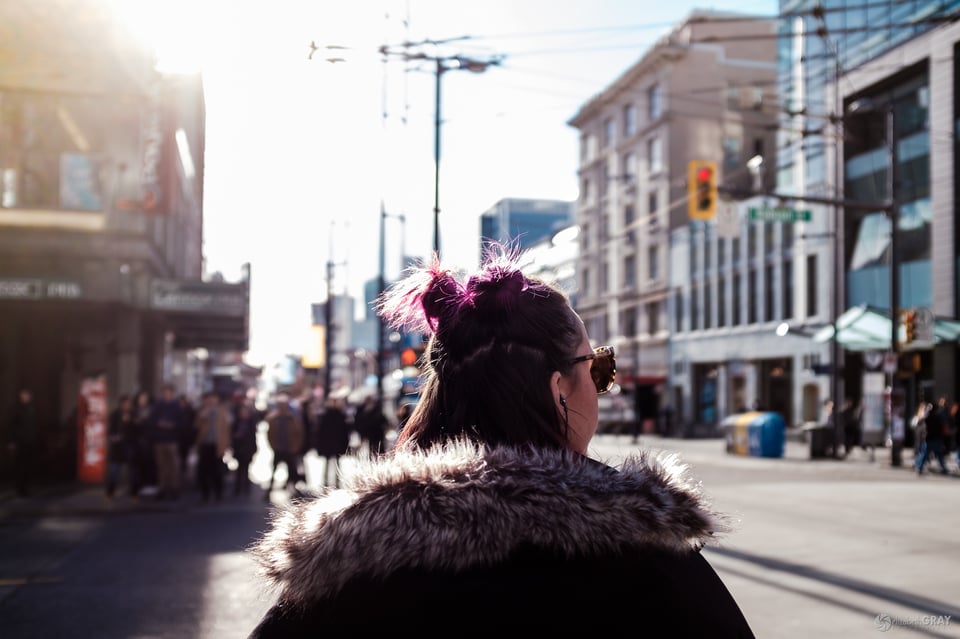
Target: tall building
{"x":700,"y":93}
{"x":877,"y":82}
{"x":524,"y":222}
{"x":101,"y":218}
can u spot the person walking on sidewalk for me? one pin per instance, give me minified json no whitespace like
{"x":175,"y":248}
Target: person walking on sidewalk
{"x":488,"y":512}
{"x":23,"y":437}
{"x":935,"y":441}
{"x":333,"y":439}
{"x":244,"y":445}
{"x":120,"y":445}
{"x":285,"y":433}
{"x":167,"y":422}
{"x":213,"y":440}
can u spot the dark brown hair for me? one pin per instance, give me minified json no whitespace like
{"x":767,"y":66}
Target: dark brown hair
{"x":495,"y":339}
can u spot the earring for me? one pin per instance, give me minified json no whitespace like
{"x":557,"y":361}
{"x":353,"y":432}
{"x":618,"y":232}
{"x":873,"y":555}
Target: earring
{"x":566,"y":411}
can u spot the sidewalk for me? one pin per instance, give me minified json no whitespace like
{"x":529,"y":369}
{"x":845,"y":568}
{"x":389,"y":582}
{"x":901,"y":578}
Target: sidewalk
{"x":75,"y":499}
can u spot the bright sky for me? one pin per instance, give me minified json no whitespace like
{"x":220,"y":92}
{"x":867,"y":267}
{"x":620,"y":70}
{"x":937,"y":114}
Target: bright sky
{"x":299,"y":153}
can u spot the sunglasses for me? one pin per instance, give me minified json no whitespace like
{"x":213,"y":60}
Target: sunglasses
{"x":603,"y":367}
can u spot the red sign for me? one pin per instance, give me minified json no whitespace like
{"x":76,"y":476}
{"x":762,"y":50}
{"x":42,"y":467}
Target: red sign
{"x":92,"y":430}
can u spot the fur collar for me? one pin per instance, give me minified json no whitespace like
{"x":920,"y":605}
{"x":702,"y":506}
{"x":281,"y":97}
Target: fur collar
{"x":457,"y":505}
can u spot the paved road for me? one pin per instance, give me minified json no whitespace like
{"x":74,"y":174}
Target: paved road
{"x":818,"y":549}
{"x":822,"y":548}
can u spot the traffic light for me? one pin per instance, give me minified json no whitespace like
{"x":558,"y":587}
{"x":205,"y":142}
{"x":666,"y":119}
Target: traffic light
{"x":909,"y":326}
{"x":702,"y":189}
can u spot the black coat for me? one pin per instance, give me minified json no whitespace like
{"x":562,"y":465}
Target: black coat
{"x":489,"y":541}
{"x":333,"y":433}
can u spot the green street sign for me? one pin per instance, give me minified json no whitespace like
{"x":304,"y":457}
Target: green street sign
{"x":778,"y":214}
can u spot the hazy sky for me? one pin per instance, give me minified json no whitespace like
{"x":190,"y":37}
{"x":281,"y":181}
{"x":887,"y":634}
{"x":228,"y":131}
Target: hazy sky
{"x":301,"y":152}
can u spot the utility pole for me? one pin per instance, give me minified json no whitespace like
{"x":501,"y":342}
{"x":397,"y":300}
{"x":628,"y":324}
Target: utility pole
{"x":442,"y":64}
{"x":328,"y":337}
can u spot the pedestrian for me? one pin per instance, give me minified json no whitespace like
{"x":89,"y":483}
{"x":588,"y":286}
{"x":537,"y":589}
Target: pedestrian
{"x":488,"y":513}
{"x":285,"y":434}
{"x":850,"y":417}
{"x":213,"y":440}
{"x":371,"y":425}
{"x":23,"y":437}
{"x":167,"y":423}
{"x":333,"y":439}
{"x":244,"y":445}
{"x":121,"y":442}
{"x":186,"y":436}
{"x":935,"y":442}
{"x":144,"y":462}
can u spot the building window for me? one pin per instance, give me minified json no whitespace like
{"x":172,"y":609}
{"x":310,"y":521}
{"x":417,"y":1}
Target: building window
{"x":786,"y":273}
{"x":731,"y":152}
{"x":630,"y":167}
{"x":721,"y":253}
{"x":584,"y":237}
{"x":609,"y":132}
{"x":630,"y":322}
{"x":653,"y":318}
{"x":655,"y":154}
{"x":707,"y":305}
{"x":721,"y":302}
{"x":707,"y":250}
{"x":694,"y":307}
{"x":768,"y":229}
{"x":653,"y":262}
{"x":585,"y":194}
{"x":604,"y":228}
{"x":678,"y":310}
{"x":591,"y":147}
{"x":769,"y":297}
{"x":653,"y":102}
{"x":751,"y":241}
{"x":736,"y":317}
{"x":585,"y":281}
{"x":629,"y":120}
{"x":811,"y":285}
{"x":786,"y":236}
{"x":605,"y":277}
{"x":733,"y":97}
{"x":652,"y":203}
{"x":629,"y":215}
{"x":752,"y":296}
{"x":629,"y":271}
{"x":694,"y":269}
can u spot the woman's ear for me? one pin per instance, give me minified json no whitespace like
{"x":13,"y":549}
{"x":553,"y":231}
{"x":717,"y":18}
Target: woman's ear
{"x":555,"y":387}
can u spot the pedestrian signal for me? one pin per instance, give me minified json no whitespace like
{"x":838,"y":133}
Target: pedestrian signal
{"x":702,"y":190}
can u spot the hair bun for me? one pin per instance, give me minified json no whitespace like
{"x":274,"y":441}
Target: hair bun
{"x":442,"y":297}
{"x":496,"y":288}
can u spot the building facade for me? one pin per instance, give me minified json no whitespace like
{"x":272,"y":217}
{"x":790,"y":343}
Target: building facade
{"x":878,"y":85}
{"x":101,"y":218}
{"x":524,"y":222}
{"x":698,"y":94}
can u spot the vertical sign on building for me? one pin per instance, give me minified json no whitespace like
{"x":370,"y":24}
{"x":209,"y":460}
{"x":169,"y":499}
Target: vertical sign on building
{"x":92,"y":430}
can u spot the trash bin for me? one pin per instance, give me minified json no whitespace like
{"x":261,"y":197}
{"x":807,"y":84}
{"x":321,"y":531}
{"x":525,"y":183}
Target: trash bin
{"x":757,"y":434}
{"x":820,"y":437}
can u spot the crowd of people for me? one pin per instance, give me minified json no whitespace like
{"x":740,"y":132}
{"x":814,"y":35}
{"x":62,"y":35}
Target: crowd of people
{"x":170,"y":444}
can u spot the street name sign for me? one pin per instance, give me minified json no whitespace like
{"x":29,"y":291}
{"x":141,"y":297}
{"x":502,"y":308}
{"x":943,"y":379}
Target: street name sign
{"x":778,"y":214}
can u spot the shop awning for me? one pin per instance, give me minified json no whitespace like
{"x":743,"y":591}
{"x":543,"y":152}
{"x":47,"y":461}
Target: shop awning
{"x":865,"y":328}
